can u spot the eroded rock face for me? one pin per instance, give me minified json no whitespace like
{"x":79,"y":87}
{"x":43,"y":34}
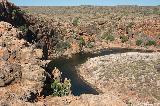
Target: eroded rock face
{"x":36,"y":29}
{"x":132,"y":75}
{"x":21,"y":76}
{"x":11,"y":13}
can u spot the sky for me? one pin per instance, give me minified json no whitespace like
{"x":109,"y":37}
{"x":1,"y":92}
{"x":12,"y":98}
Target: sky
{"x":85,"y":2}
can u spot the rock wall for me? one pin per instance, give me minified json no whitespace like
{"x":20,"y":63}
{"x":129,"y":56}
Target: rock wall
{"x":35,"y":29}
{"x":21,"y":75}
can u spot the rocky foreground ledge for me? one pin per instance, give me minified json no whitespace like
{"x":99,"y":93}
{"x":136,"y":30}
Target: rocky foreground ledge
{"x":134,"y":76}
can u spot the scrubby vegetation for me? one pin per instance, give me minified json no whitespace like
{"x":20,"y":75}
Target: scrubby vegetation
{"x":83,"y":28}
{"x":108,"y":37}
{"x":56,"y":85}
{"x":63,"y":45}
{"x":151,"y":42}
{"x":124,"y":38}
{"x":15,"y":11}
{"x":81,"y":42}
{"x":23,"y":28}
{"x":60,"y":88}
{"x":75,"y":21}
{"x":139,"y":42}
{"x":89,"y":45}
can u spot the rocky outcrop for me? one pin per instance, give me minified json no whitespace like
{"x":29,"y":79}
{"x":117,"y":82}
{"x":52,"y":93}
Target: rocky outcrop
{"x":36,"y":29}
{"x":11,"y":13}
{"x":21,"y":75}
{"x":133,"y":76}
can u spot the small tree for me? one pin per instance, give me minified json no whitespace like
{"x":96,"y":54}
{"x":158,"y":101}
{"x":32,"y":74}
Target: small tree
{"x":59,"y":87}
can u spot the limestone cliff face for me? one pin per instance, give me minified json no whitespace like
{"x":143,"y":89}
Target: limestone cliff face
{"x":21,"y":76}
{"x":35,"y":29}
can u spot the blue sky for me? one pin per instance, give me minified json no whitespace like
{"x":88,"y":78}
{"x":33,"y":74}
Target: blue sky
{"x":85,"y":2}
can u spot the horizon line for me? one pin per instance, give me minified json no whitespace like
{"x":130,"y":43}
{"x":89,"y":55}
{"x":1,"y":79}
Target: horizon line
{"x":86,"y":3}
{"x":89,"y":5}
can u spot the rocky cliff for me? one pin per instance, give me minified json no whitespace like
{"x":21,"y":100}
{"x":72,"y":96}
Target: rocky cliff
{"x":35,"y":29}
{"x":21,"y":75}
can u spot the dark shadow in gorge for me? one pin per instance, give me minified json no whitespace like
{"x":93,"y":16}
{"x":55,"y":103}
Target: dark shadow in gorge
{"x":68,"y":69}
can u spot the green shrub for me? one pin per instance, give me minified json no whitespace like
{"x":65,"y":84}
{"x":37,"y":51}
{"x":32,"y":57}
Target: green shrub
{"x":75,"y":21}
{"x":151,"y":42}
{"x":60,"y":89}
{"x":139,"y":42}
{"x":2,"y":14}
{"x":22,"y":11}
{"x":63,"y":45}
{"x":124,"y":39}
{"x":108,"y":37}
{"x":14,"y":12}
{"x":81,"y":42}
{"x":57,"y":86}
{"x":23,"y":28}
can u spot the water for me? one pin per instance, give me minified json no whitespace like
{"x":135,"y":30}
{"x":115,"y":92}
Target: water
{"x":68,"y":68}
